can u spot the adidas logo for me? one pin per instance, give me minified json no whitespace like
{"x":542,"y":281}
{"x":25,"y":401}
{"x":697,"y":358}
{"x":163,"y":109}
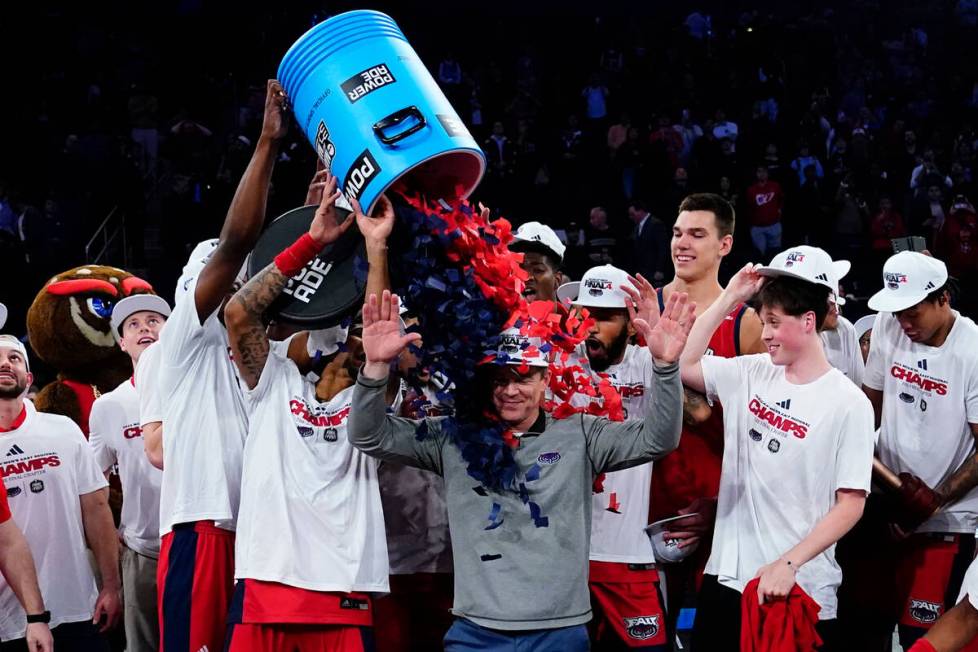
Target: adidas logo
{"x":930,"y":285}
{"x":922,"y":364}
{"x":15,"y":450}
{"x":822,"y":277}
{"x":785,"y":404}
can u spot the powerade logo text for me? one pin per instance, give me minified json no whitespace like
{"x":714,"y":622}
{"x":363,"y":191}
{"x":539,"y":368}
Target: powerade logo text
{"x":303,"y":286}
{"x":363,"y":83}
{"x":910,"y":376}
{"x":324,"y":145}
{"x":364,"y":169}
{"x":776,"y":419}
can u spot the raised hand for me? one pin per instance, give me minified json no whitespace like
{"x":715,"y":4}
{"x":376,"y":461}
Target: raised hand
{"x":314,"y":195}
{"x":275,"y":124}
{"x":324,"y":228}
{"x":746,"y":283}
{"x":667,"y":338}
{"x":644,"y":301}
{"x":382,"y":339}
{"x":375,"y":229}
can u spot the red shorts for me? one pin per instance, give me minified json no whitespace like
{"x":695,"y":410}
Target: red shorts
{"x":269,"y":603}
{"x":417,"y":613}
{"x":929,"y":575}
{"x":299,"y":638}
{"x":195,"y":577}
{"x":627,"y":606}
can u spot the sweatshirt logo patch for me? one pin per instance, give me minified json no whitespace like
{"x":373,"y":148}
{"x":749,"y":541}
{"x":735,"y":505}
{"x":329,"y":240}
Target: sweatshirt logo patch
{"x":642,"y":628}
{"x":549,"y":458}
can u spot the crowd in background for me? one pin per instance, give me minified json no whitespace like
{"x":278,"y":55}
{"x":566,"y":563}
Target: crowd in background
{"x":841,"y":124}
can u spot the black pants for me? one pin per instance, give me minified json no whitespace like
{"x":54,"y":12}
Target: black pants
{"x":717,"y":625}
{"x":82,"y":636}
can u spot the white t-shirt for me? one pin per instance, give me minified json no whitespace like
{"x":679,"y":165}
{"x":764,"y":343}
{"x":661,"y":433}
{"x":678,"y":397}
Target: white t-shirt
{"x":204,"y":417}
{"x":310,"y":502}
{"x":969,"y":585}
{"x":46,"y":465}
{"x":117,"y":438}
{"x":842,"y":350}
{"x":930,"y":395}
{"x":620,"y":513}
{"x":784,"y":457}
{"x":415,"y":512}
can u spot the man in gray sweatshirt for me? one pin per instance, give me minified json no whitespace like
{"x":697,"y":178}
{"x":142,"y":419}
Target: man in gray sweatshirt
{"x":521,"y":561}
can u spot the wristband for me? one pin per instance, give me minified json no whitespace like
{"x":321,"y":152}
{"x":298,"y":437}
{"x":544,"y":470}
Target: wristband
{"x":291,"y":261}
{"x":43,"y":617}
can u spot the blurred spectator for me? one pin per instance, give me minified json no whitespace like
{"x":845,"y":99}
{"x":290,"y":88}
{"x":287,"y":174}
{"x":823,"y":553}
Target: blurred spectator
{"x":449,"y":71}
{"x":956,"y":243}
{"x":724,"y":128}
{"x":144,"y":125}
{"x":595,"y":96}
{"x":600,"y":240}
{"x":765,"y":200}
{"x":689,"y":132}
{"x":886,"y":225}
{"x":650,"y":248}
{"x":618,"y":133}
{"x":804,"y":160}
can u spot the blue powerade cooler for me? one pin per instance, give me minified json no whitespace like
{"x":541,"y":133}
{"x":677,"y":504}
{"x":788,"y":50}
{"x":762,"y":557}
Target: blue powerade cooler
{"x":373,"y":112}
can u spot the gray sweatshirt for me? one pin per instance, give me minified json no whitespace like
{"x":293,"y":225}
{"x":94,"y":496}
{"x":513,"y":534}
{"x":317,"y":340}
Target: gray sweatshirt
{"x":514,"y":571}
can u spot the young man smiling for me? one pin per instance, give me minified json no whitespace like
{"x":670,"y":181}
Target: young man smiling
{"x":116,"y":438}
{"x":520,"y":579}
{"x":795,"y":475}
{"x":687,"y":480}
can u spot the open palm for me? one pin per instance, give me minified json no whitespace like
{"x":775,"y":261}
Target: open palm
{"x":382,"y":339}
{"x":667,"y":338}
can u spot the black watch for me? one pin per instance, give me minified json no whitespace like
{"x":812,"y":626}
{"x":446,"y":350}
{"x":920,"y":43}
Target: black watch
{"x":43,"y":617}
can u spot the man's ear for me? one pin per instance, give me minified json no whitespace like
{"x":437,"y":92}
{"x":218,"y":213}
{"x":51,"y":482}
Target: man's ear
{"x":558,"y":277}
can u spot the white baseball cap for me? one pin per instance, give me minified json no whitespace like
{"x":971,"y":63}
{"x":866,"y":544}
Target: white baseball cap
{"x":807,"y":264}
{"x":839,"y":268}
{"x":3,"y":315}
{"x":542,"y":234}
{"x":600,"y":287}
{"x":908,"y":277}
{"x":864,"y":324}
{"x":11,"y":342}
{"x":519,"y":348}
{"x":136,"y":303}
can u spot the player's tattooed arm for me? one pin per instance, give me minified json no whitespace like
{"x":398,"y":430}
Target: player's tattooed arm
{"x":963,"y":480}
{"x":246,"y":327}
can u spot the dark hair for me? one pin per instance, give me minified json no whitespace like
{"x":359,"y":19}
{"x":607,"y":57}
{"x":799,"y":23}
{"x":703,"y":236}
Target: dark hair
{"x":528,"y":247}
{"x":638,"y":205}
{"x":723,"y":211}
{"x":795,"y":297}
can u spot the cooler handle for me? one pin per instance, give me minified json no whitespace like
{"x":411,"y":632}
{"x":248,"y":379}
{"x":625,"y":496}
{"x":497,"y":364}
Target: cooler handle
{"x":397,"y":118}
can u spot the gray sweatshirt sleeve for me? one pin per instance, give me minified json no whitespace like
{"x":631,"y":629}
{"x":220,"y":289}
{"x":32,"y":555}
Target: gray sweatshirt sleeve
{"x":617,"y":445}
{"x":390,"y":438}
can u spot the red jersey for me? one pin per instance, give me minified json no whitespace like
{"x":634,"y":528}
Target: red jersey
{"x":764,"y":203}
{"x":693,"y":470}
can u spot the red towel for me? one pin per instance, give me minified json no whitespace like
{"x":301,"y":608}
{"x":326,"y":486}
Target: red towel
{"x":922,"y":645}
{"x":778,"y":626}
